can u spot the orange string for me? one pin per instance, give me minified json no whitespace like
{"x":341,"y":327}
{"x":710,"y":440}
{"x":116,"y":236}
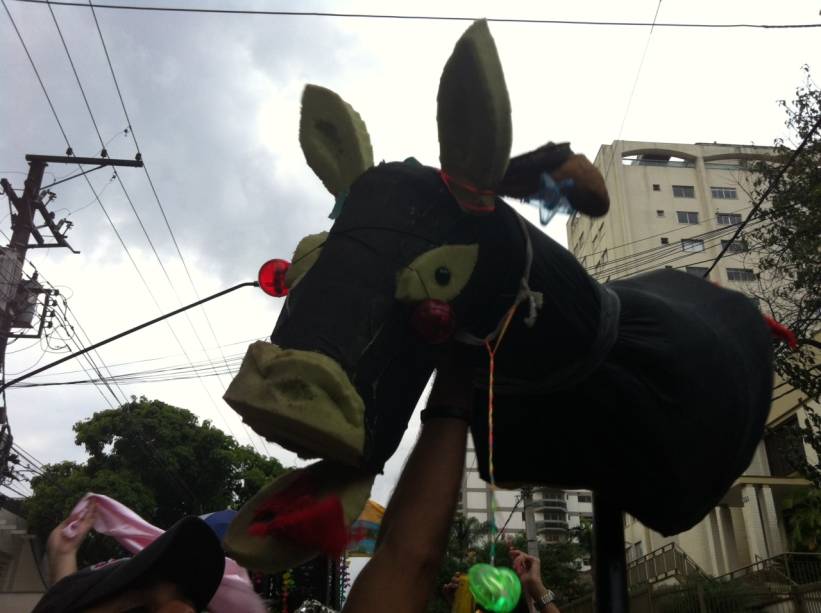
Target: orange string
{"x":491,"y":370}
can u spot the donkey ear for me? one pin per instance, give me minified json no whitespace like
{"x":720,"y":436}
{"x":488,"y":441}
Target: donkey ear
{"x":334,"y":139}
{"x":474,"y":119}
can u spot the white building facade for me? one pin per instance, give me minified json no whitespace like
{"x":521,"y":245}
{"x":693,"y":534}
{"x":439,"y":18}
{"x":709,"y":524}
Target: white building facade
{"x":676,"y":206}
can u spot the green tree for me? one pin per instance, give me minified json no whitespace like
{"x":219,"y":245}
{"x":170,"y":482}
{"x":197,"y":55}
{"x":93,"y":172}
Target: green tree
{"x":156,"y":459}
{"x":785,"y":236}
{"x":802,"y":515}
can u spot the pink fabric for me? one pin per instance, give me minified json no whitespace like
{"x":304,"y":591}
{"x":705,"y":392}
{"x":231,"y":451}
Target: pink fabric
{"x":116,"y":520}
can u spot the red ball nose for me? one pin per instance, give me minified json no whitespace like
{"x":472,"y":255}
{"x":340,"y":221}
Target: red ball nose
{"x":433,"y":321}
{"x":271,"y":278}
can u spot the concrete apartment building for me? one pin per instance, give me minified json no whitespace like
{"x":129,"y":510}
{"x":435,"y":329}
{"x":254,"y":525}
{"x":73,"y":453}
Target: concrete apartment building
{"x":675,"y":205}
{"x":555,"y":511}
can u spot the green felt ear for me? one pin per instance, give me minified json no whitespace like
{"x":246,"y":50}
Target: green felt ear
{"x":474,"y":117}
{"x":334,"y":139}
{"x":307,"y":252}
{"x":440,"y":274}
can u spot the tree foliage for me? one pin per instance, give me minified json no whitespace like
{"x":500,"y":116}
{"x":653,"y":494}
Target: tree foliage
{"x":786,"y":234}
{"x":154,"y":458}
{"x":803,"y":518}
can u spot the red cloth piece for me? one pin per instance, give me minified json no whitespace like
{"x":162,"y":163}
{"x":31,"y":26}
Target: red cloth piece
{"x":782,"y":332}
{"x":297,"y":515}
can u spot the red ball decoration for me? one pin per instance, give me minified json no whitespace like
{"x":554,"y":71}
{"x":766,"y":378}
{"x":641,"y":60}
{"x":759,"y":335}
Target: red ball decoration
{"x":433,"y":321}
{"x":271,"y":278}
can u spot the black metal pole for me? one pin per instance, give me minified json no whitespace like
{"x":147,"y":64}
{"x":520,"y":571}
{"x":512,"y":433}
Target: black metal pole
{"x":125,"y":333}
{"x":609,"y":564}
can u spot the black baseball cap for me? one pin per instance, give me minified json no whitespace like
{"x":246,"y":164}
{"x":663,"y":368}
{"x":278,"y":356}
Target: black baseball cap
{"x":188,"y":554}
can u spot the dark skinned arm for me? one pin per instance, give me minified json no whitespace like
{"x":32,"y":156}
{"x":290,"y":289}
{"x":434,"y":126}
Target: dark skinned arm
{"x":414,"y":531}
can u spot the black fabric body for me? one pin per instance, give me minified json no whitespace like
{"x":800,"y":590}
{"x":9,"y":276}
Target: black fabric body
{"x":188,"y":554}
{"x":663,"y":420}
{"x":665,"y":424}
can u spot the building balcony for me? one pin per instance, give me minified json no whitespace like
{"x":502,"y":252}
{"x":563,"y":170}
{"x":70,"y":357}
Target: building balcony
{"x":544,"y":526}
{"x":666,"y":163}
{"x":554,"y":506}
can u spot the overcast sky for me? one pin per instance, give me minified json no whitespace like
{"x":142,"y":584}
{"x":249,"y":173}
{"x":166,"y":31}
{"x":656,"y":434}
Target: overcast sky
{"x":214,"y":103}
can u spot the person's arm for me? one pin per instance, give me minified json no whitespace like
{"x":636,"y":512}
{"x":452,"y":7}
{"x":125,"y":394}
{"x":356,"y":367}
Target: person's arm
{"x":414,"y":531}
{"x":529,"y":569}
{"x":62,"y":550}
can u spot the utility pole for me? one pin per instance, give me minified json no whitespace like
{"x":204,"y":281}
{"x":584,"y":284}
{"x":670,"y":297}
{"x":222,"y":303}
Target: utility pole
{"x":19,"y":298}
{"x":530,"y":522}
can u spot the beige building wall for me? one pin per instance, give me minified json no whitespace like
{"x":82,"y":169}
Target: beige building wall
{"x":672,"y":205}
{"x":21,"y":585}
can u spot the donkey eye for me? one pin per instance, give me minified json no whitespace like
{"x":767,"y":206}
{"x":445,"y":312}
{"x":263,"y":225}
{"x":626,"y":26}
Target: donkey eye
{"x":440,"y":274}
{"x":307,"y":252}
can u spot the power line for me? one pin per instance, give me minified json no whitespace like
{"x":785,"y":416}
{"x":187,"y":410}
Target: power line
{"x":155,"y":359}
{"x":648,"y":254}
{"x":150,"y":375}
{"x":37,"y":74}
{"x":664,"y":233}
{"x":167,"y":225}
{"x":97,"y":197}
{"x":142,"y":226}
{"x":635,"y":84}
{"x":657,"y":254}
{"x":773,"y":184}
{"x":568,"y":22}
{"x":77,"y":77}
{"x":8,"y":487}
{"x":96,"y":369}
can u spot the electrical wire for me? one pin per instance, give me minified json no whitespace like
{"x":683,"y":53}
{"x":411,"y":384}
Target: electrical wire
{"x":635,"y":84}
{"x":665,"y":254}
{"x":8,"y":487}
{"x":157,"y":374}
{"x":130,"y":127}
{"x":772,"y":185}
{"x":76,"y":76}
{"x":232,"y":358}
{"x":134,"y":210}
{"x":664,"y":233}
{"x":570,"y":22}
{"x":37,"y":74}
{"x":100,"y":378}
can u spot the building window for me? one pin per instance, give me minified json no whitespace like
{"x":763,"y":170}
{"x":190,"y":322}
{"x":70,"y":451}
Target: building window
{"x":665,"y":240}
{"x":740,"y":274}
{"x":737,"y":246}
{"x":684,"y":191}
{"x":784,"y":448}
{"x":690,"y":217}
{"x":659,"y":213}
{"x":692,"y":244}
{"x":656,"y":187}
{"x":724,"y":193}
{"x":698,"y":271}
{"x":585,"y":498}
{"x":728,"y":219}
